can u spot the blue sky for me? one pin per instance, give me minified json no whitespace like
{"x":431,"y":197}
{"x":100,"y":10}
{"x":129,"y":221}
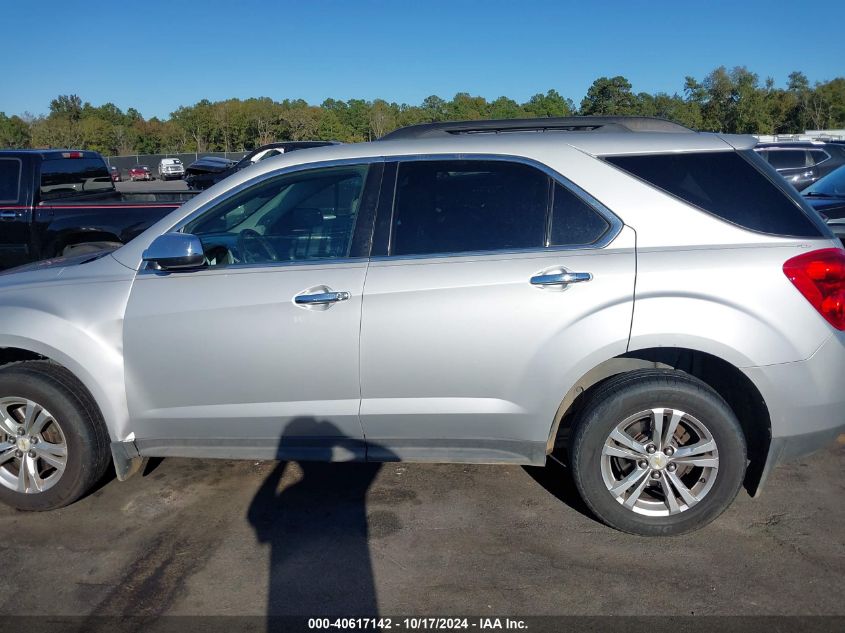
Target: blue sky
{"x":156,"y":55}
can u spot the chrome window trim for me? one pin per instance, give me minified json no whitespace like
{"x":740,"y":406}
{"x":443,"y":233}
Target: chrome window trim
{"x":146,"y":269}
{"x":614,"y":222}
{"x":538,"y":250}
{"x":284,"y":171}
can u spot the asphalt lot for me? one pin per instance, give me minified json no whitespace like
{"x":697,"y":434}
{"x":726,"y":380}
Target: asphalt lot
{"x":231,"y":538}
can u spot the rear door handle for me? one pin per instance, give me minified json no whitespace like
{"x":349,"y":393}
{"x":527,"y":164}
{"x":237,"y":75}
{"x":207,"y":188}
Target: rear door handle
{"x":560,"y":279}
{"x":322,"y":298}
{"x":8,"y":215}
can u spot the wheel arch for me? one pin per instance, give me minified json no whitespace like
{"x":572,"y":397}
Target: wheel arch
{"x":741,"y":394}
{"x":16,"y":349}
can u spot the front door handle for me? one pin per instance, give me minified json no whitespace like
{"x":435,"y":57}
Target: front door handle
{"x":322,"y":298}
{"x":8,"y":215}
{"x":560,"y":279}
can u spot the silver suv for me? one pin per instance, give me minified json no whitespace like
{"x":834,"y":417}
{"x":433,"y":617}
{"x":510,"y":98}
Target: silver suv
{"x":655,"y":307}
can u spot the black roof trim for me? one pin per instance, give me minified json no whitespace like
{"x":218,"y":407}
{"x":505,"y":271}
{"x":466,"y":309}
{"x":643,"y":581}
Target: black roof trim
{"x":550,"y":124}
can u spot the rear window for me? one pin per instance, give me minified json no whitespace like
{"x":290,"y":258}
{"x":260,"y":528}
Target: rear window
{"x":468,"y":205}
{"x":727,"y":185}
{"x":10,"y":179}
{"x":64,"y":177}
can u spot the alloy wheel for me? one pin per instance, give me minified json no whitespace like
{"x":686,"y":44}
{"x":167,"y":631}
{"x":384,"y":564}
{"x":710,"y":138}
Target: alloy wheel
{"x":659,"y":462}
{"x":33,"y":447}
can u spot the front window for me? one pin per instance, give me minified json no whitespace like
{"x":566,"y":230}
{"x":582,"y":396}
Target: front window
{"x":64,"y":177}
{"x":303,"y":216}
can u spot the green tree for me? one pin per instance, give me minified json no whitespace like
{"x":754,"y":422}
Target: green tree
{"x":198,"y":121}
{"x":609,"y":96}
{"x":435,"y":109}
{"x":548,"y":105}
{"x":67,"y":105}
{"x":14,"y":132}
{"x":505,"y":108}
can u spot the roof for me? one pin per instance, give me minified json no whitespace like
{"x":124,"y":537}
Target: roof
{"x":48,"y":153}
{"x":600,"y":124}
{"x":519,"y":144}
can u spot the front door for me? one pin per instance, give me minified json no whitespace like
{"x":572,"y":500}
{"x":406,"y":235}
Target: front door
{"x":256,"y":355}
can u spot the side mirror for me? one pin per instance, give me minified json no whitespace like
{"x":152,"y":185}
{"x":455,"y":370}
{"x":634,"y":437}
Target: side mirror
{"x":175,"y":251}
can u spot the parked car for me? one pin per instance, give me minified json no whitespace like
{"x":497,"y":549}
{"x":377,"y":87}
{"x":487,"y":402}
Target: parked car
{"x":170,"y":168}
{"x":115,"y":174}
{"x":658,"y":310}
{"x":140,"y":172}
{"x":827,"y":196}
{"x":59,"y":202}
{"x":210,"y":170}
{"x":206,"y":171}
{"x":803,"y":163}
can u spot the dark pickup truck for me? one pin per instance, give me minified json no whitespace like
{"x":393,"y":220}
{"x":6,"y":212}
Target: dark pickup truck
{"x":55,"y":202}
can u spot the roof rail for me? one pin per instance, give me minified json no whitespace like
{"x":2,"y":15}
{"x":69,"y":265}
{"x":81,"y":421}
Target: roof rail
{"x":550,"y":124}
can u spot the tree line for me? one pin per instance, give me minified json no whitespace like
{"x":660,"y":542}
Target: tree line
{"x":730,"y":101}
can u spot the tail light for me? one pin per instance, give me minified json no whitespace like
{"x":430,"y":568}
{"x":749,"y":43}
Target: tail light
{"x":820,"y":277}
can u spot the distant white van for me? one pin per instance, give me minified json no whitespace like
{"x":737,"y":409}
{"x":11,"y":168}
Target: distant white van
{"x":170,"y":168}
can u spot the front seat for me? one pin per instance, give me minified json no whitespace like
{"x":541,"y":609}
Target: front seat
{"x":294,"y":230}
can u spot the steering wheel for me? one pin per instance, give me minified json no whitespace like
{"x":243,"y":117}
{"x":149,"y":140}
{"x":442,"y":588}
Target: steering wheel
{"x":255,"y":248}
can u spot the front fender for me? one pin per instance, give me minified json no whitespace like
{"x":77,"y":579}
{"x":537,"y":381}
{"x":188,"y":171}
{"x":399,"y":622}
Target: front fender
{"x":80,"y":326}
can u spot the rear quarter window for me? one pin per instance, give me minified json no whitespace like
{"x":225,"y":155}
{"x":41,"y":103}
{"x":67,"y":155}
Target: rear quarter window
{"x":730,"y":185}
{"x":818,"y":156}
{"x":10,"y":179}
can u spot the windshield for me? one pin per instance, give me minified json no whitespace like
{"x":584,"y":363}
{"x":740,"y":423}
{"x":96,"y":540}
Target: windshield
{"x":831,"y":185}
{"x":64,"y":177}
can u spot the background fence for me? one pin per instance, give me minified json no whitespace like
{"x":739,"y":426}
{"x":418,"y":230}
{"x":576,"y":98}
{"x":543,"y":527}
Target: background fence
{"x":124,"y":163}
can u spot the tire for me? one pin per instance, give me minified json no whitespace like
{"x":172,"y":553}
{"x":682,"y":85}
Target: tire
{"x":66,"y":405}
{"x":642,"y":503}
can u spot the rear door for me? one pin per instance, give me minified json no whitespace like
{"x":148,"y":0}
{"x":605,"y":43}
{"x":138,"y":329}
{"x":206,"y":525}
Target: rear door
{"x":15,"y":214}
{"x":494,"y":282}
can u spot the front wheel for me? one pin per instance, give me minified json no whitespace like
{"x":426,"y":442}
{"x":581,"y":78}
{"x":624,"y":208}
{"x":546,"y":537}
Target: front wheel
{"x":657,"y":452}
{"x":53,"y":444}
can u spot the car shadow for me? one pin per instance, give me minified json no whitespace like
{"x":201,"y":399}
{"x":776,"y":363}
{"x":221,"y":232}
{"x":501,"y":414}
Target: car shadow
{"x":556,"y":478}
{"x":313,"y":516}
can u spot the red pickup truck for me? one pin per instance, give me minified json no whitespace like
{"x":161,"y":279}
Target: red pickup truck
{"x":52,"y":202}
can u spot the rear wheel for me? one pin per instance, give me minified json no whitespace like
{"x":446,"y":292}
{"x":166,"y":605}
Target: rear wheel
{"x":657,"y":452}
{"x":53,"y":442}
